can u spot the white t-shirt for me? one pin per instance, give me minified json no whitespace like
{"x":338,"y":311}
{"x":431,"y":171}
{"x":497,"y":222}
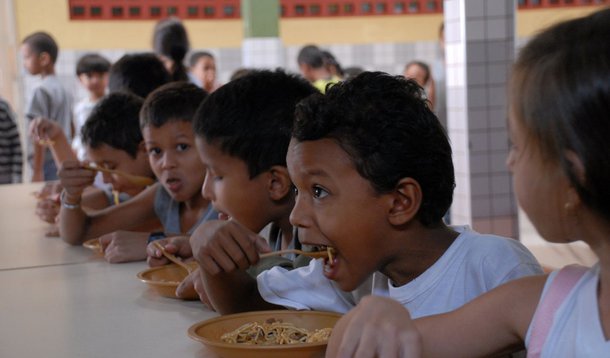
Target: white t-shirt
{"x":81,"y":112}
{"x":576,"y":329}
{"x":472,"y":265}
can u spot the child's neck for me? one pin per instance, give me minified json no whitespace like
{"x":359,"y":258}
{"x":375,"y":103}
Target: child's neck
{"x":94,"y":97}
{"x":48,"y":71}
{"x":191,"y":210}
{"x":414,"y":255}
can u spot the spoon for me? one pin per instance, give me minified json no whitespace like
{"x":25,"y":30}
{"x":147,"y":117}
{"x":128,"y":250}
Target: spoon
{"x":135,"y":179}
{"x":172,"y":258}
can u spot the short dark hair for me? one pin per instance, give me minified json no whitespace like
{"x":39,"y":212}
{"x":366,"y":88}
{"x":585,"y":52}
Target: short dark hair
{"x":139,"y":74}
{"x":197,"y":55}
{"x":175,"y":101}
{"x":41,"y":42}
{"x":114,"y":121}
{"x":311,"y":55}
{"x":92,"y":63}
{"x":424,"y":66}
{"x":171,"y":40}
{"x":384,"y":124}
{"x":251,"y":118}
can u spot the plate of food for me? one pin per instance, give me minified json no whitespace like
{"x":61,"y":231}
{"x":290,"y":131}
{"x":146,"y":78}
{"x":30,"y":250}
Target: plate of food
{"x":165,"y":279}
{"x":267,"y":334}
{"x":93,"y":245}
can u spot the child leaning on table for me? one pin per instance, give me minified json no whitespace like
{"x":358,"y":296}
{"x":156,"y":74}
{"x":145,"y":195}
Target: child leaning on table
{"x":559,"y":130}
{"x":175,"y":201}
{"x":111,"y":138}
{"x":243,"y":130}
{"x":373,"y":172}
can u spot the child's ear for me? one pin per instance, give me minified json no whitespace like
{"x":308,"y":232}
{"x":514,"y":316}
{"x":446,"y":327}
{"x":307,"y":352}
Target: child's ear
{"x":279,"y":184}
{"x":45,"y":59}
{"x":405,"y":201}
{"x":578,"y":168}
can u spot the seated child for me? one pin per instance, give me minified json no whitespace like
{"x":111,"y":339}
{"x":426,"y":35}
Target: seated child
{"x":175,"y":201}
{"x":559,"y":130}
{"x":373,"y":170}
{"x":243,"y":130}
{"x":203,"y":71}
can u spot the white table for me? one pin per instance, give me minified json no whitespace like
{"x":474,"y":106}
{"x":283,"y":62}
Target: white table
{"x":63,"y":301}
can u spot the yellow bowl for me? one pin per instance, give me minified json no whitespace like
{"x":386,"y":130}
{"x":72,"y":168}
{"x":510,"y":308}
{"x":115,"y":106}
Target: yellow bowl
{"x":209,"y":332}
{"x":165,"y":279}
{"x":94,"y":245}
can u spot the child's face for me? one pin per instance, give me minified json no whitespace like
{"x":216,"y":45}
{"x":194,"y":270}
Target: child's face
{"x":205,"y":70}
{"x":539,"y":185}
{"x":31,"y":60}
{"x":229,"y":187}
{"x":94,"y":82}
{"x":337,"y":207}
{"x":416,"y":73}
{"x":174,"y":160}
{"x":112,"y":158}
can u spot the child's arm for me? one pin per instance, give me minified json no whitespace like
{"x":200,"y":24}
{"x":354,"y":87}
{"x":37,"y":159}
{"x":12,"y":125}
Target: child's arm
{"x":43,"y":129}
{"x":225,"y":250}
{"x":37,"y":162}
{"x":77,"y":226}
{"x":496,"y":322}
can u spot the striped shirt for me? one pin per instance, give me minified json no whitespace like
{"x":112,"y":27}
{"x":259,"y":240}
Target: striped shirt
{"x":11,"y":159}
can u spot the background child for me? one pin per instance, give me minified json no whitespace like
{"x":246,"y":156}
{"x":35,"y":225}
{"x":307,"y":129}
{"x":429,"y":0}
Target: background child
{"x":175,"y":201}
{"x":92,"y":71}
{"x":420,"y":72}
{"x":311,"y":64}
{"x":139,"y":74}
{"x":49,"y":100}
{"x":559,"y":159}
{"x":171,"y":44}
{"x":372,"y":166}
{"x":11,"y":160}
{"x":243,"y":130}
{"x":203,"y":70}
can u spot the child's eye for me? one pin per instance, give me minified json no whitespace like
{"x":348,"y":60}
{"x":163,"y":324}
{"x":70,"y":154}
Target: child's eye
{"x":154,"y":151}
{"x":319,"y":192}
{"x":295,"y":190}
{"x":182,"y":147}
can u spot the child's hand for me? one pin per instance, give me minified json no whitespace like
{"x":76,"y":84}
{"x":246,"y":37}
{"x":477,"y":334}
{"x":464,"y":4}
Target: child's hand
{"x":194,"y":282}
{"x":74,"y":178}
{"x":176,"y":245}
{"x":44,"y":129}
{"x":47,"y":209}
{"x":226,"y":246}
{"x":124,"y":246}
{"x":378,"y":327}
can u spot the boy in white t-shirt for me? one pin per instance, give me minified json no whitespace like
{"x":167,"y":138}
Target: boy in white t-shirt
{"x":373,"y":171}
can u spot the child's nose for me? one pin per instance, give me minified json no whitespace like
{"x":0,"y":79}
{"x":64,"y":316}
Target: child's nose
{"x":299,"y":216}
{"x":168,"y":160}
{"x":206,"y":188}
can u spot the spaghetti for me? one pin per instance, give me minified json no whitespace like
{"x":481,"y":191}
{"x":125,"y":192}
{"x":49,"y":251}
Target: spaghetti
{"x":274,"y":332}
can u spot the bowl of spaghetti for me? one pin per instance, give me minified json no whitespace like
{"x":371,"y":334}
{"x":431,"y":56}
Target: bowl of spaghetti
{"x":267,"y":334}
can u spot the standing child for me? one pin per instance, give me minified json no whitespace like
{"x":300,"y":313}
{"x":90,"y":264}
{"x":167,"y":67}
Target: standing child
{"x":175,"y":201}
{"x":373,"y":172}
{"x":92,"y":71}
{"x":49,"y":100}
{"x":559,"y":129}
{"x":243,"y":131}
{"x":420,"y":72}
{"x":139,"y":73}
{"x":203,"y":70}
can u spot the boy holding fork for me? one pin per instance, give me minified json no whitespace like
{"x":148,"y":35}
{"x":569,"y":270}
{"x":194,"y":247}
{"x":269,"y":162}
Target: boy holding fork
{"x":373,"y":172}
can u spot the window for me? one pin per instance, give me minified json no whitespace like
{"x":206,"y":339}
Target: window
{"x":78,"y":10}
{"x":333,"y":9}
{"x":380,"y":8}
{"x":413,"y":6}
{"x":348,"y":8}
{"x":172,"y":10}
{"x":116,"y":11}
{"x":431,"y":5}
{"x":366,"y":7}
{"x":96,"y":11}
{"x":155,"y":11}
{"x":299,"y":10}
{"x":134,"y":11}
{"x":192,"y":11}
{"x":399,"y":7}
{"x":314,"y":9}
{"x":209,"y":11}
{"x":229,"y":10}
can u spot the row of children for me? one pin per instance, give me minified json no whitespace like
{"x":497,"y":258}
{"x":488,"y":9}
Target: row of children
{"x":366,"y":169}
